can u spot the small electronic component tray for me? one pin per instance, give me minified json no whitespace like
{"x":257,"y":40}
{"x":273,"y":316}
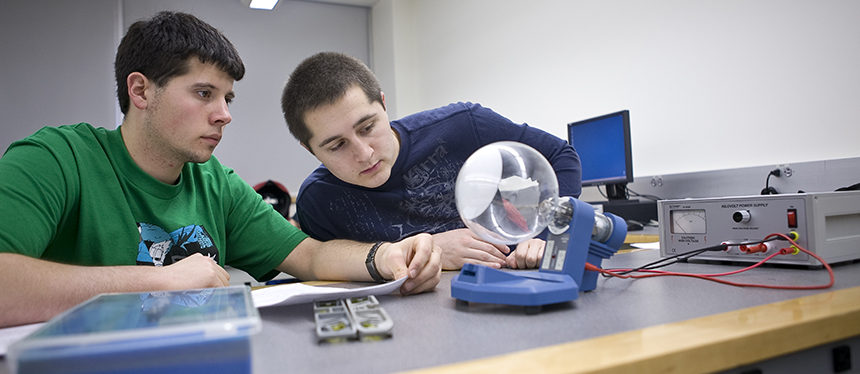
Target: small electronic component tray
{"x":333,"y":322}
{"x":372,"y":322}
{"x":356,"y":318}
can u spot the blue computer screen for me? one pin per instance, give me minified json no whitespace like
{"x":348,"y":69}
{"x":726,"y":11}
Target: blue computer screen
{"x":603,"y":145}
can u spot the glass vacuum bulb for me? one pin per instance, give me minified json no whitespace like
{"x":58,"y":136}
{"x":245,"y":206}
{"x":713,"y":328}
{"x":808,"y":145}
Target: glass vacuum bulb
{"x":506,"y":192}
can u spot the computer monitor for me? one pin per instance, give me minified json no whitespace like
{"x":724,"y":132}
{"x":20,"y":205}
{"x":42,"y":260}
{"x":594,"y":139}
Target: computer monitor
{"x":603,"y":145}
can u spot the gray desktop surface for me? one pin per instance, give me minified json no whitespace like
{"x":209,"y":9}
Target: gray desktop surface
{"x":431,"y":329}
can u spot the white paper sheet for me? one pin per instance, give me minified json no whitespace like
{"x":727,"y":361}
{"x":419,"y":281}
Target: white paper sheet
{"x":297,"y":293}
{"x":654,"y":245}
{"x":10,"y":335}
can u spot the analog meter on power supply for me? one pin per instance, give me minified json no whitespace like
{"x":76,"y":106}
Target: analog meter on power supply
{"x":688,"y":221}
{"x":828,"y":224}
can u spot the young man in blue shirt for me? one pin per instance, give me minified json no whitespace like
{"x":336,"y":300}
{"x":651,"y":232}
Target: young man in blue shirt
{"x":388,"y":180}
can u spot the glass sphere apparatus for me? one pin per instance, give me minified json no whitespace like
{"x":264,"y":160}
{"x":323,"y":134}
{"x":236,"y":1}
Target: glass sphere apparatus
{"x":506,"y":193}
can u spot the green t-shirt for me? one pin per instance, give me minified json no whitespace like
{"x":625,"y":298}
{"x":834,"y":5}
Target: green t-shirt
{"x":72,"y":194}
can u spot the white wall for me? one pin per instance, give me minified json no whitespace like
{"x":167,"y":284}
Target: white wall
{"x":711,"y":85}
{"x":56,"y":65}
{"x":57,"y":68}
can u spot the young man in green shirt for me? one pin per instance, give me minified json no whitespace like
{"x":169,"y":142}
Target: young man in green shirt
{"x":81,"y":206}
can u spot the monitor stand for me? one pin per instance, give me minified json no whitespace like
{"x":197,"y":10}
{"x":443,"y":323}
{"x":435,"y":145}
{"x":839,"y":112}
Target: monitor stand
{"x":616,"y":191}
{"x":620,"y":204}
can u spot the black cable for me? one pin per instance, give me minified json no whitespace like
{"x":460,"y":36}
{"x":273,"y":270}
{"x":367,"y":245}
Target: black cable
{"x":630,"y":193}
{"x":687,"y":255}
{"x":853,"y":187}
{"x":768,"y":190}
{"x":601,"y":192}
{"x":649,"y":197}
{"x":674,"y":259}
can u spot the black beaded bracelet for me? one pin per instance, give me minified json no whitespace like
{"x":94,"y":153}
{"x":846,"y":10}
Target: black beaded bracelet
{"x":371,"y":266}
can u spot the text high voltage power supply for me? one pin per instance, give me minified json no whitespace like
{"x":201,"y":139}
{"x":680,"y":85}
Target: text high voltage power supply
{"x":828,"y":224}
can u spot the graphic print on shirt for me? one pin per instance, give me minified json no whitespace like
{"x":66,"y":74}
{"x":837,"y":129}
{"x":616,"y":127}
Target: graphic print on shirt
{"x":356,"y":212}
{"x":426,"y":205}
{"x":430,"y":194}
{"x":159,"y":248}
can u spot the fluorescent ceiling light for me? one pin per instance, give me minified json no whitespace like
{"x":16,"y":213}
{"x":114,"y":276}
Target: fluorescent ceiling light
{"x":263,"y":4}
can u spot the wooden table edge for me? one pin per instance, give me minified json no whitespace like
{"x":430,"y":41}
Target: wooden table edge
{"x":700,"y":345}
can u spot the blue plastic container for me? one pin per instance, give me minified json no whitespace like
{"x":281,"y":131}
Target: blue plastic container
{"x":192,"y":331}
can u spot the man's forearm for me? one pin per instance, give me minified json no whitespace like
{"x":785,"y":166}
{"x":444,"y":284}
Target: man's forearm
{"x":36,"y":290}
{"x":331,"y":260}
{"x":415,"y":257}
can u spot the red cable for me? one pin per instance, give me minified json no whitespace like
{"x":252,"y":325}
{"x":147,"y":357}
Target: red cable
{"x":712,"y":277}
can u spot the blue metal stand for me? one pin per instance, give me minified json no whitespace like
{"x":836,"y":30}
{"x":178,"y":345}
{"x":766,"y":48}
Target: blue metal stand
{"x":562,"y":273}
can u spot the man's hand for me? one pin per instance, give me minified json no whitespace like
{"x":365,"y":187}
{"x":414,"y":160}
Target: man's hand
{"x":527,"y":255}
{"x":195,"y":271}
{"x":462,"y":246}
{"x":36,"y":290}
{"x":417,"y":258}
